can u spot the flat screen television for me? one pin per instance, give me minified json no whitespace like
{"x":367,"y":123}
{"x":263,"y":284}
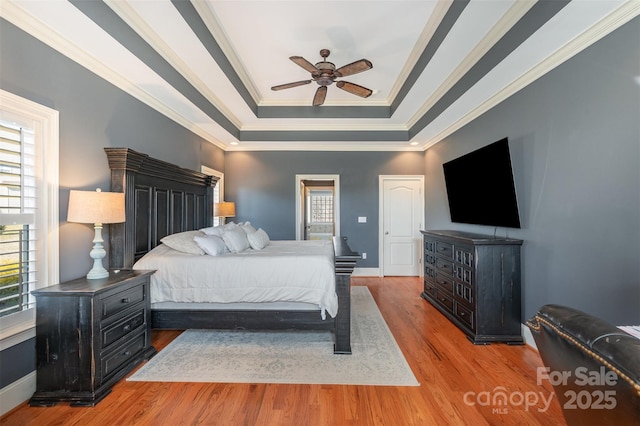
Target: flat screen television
{"x":480,"y":187}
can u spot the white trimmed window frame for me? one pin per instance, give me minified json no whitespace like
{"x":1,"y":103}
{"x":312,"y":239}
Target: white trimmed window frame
{"x":218,"y":192}
{"x":44,"y":121}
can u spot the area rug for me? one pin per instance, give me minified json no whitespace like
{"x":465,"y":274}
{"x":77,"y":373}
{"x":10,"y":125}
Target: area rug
{"x":225,"y":356}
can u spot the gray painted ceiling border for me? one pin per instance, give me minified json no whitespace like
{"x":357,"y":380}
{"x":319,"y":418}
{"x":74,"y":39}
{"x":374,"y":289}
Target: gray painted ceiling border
{"x":537,"y":16}
{"x":109,"y":21}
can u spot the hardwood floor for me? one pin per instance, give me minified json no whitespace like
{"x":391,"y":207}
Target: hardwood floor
{"x":456,"y":378}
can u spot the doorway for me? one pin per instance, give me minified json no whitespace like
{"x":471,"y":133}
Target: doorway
{"x":402,"y":216}
{"x":317,"y":207}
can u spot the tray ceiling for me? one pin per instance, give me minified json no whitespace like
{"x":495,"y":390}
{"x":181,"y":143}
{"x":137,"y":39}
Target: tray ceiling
{"x":209,"y":65}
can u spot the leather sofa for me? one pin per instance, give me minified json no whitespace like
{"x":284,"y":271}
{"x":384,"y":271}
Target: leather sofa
{"x":593,"y":366}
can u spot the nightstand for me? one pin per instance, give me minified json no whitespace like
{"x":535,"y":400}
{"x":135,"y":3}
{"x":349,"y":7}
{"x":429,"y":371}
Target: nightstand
{"x":89,"y":335}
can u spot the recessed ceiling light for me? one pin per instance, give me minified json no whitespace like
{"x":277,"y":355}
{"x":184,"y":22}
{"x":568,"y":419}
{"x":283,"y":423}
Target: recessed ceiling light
{"x":234,"y":143}
{"x":414,"y":143}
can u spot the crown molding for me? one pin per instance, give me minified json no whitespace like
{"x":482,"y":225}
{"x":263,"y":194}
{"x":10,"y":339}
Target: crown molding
{"x":623,"y":14}
{"x":508,"y":20}
{"x":128,"y":14}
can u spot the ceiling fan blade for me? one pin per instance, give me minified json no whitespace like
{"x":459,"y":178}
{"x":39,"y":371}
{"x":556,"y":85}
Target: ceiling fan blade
{"x":321,"y":93}
{"x":354,"y":68}
{"x":290,"y":85}
{"x":354,"y":89}
{"x":299,"y":60}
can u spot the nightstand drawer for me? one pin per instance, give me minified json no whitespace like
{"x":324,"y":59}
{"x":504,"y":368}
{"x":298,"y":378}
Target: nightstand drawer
{"x":119,"y":357}
{"x":120,"y":301}
{"x":120,"y":329}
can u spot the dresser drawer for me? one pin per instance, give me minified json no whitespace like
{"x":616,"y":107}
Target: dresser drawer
{"x":465,"y":315}
{"x":444,"y":300}
{"x":444,"y":249}
{"x":112,"y":362}
{"x":430,"y":288}
{"x":444,"y":266}
{"x":121,"y":328}
{"x":445,"y":282}
{"x":118,"y":302}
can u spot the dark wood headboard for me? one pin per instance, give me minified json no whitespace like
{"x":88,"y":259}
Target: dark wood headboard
{"x":160,"y":199}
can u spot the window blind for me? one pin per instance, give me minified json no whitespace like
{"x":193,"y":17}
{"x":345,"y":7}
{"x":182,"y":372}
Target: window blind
{"x":17,"y":208}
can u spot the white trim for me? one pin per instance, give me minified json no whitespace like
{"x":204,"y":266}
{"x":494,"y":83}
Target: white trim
{"x":381,"y":180}
{"x":528,"y":337}
{"x":220,"y":175}
{"x":366,"y":272}
{"x":610,"y":23}
{"x":336,"y":202}
{"x":44,"y":121}
{"x":17,"y":392}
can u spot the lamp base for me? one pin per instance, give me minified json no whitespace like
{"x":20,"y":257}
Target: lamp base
{"x":97,"y":273}
{"x":97,"y":254}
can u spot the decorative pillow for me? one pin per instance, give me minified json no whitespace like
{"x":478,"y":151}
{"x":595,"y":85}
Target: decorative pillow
{"x":258,"y":240}
{"x":248,"y":228}
{"x":214,"y":230}
{"x":229,"y":225}
{"x":211,"y":244}
{"x":183,"y":241}
{"x":236,"y":240}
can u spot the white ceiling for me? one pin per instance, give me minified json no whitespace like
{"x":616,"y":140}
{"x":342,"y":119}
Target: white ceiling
{"x":209,"y":64}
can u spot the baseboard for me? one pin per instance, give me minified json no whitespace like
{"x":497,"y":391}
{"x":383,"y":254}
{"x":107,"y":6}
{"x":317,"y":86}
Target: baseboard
{"x":528,"y":337}
{"x":17,"y":392}
{"x":366,"y":272}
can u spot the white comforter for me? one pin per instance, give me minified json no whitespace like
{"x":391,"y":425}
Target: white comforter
{"x":292,"y":271}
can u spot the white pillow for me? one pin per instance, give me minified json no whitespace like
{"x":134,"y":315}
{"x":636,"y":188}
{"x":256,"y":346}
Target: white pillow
{"x":183,"y":241}
{"x":236,"y":240}
{"x":229,"y":225}
{"x":211,"y":244}
{"x":214,"y":230}
{"x":248,"y":228}
{"x":258,"y":240}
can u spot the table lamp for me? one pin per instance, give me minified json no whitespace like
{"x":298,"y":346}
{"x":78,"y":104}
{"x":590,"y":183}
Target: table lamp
{"x":96,"y":207}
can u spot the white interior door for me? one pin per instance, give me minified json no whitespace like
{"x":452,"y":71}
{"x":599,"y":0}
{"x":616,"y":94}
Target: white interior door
{"x":402,"y":217}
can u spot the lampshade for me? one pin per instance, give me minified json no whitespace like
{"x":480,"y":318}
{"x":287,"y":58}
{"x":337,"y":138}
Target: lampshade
{"x":96,"y":207}
{"x":224,"y":209}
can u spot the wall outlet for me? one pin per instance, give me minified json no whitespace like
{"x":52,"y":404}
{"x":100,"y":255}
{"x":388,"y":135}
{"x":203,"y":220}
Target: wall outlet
{"x":362,"y":219}
{"x":364,"y":255}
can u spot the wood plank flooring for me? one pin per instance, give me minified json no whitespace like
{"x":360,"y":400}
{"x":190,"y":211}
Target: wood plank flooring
{"x":455,"y":379}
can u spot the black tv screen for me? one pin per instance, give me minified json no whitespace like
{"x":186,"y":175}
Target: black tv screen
{"x":480,"y":187}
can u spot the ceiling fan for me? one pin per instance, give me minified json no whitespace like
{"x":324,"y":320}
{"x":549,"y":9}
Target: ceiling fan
{"x":325,"y":73}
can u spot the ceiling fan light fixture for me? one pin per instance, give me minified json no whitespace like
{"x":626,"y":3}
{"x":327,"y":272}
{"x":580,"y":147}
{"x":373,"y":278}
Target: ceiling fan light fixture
{"x":324,"y":73}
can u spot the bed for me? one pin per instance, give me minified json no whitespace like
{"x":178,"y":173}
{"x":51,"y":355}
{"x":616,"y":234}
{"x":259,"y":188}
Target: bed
{"x":162,"y":199}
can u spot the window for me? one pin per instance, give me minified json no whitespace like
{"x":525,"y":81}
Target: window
{"x":17,"y":206}
{"x":321,"y":203}
{"x":28,"y":208}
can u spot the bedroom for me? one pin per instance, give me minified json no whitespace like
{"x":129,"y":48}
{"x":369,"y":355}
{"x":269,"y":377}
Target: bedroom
{"x":574,"y":140}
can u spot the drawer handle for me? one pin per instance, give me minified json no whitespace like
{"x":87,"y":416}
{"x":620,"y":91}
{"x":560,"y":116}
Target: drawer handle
{"x":126,"y":327}
{"x":461,"y":314}
{"x":126,"y":300}
{"x":127,"y":353}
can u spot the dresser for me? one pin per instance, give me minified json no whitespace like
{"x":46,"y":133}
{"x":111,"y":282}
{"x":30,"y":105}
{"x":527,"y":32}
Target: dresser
{"x":474,"y":280}
{"x":89,"y":335}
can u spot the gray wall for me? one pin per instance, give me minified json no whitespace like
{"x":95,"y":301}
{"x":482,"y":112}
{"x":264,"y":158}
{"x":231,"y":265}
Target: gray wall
{"x":93,"y":114}
{"x":575,"y":146}
{"x":263,"y":186}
